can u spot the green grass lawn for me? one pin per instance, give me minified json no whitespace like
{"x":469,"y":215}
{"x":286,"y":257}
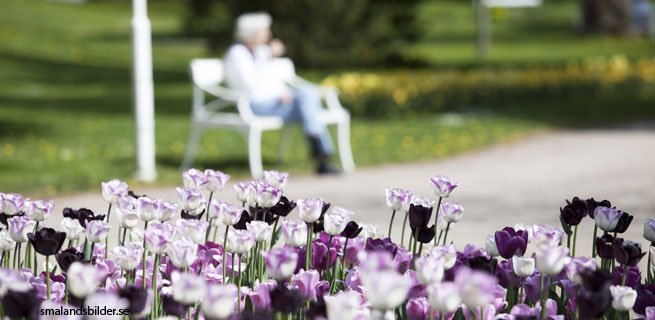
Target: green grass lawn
{"x":65,"y":100}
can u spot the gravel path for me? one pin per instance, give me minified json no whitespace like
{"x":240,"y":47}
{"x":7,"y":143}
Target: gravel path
{"x":526,"y":182}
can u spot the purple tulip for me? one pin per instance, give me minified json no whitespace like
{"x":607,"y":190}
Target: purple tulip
{"x":193,"y":179}
{"x":645,"y":298}
{"x":577,"y":264}
{"x":418,"y":309}
{"x":158,"y":235}
{"x":523,"y":310}
{"x":191,"y":200}
{"x":114,"y":190}
{"x":38,"y":210}
{"x":276,"y":179}
{"x":510,"y":242}
{"x":262,"y":194}
{"x":443,"y":186}
{"x":280,"y":262}
{"x":320,"y":255}
{"x":650,"y":313}
{"x":260,"y":295}
{"x":97,"y":230}
{"x":476,"y":288}
{"x":607,"y":218}
{"x":381,"y":245}
{"x":632,"y":276}
{"x":398,"y":199}
{"x":546,"y":235}
{"x":19,"y":227}
{"x":306,"y":282}
{"x":532,"y":285}
{"x":215,"y":180}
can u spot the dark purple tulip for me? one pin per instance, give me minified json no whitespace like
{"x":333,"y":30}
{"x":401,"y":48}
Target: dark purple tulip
{"x":419,"y":216}
{"x":285,"y":300}
{"x":20,"y":304}
{"x":185,"y":215}
{"x":511,"y":242}
{"x":483,"y":264}
{"x":627,"y":252}
{"x":593,"y":204}
{"x":624,"y":223}
{"x":317,"y":309}
{"x":245,"y":218}
{"x":137,"y":296}
{"x":352,"y":230}
{"x":594,"y":298}
{"x":381,"y":245}
{"x":645,"y":298}
{"x":134,"y":195}
{"x":604,"y":246}
{"x":320,"y":256}
{"x":632,"y":276}
{"x":425,"y":234}
{"x":67,"y":257}
{"x":248,"y":315}
{"x":47,"y":241}
{"x":172,"y":307}
{"x":283,"y":207}
{"x":574,"y":211}
{"x":505,"y":272}
{"x":83,"y":215}
{"x":318,"y":224}
{"x":4,"y":217}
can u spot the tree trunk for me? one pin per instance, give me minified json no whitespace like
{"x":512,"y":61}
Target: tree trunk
{"x":606,"y":16}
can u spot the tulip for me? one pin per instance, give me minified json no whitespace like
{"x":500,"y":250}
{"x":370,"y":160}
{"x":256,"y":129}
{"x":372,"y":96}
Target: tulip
{"x":127,"y":216}
{"x":101,"y":300}
{"x":280,"y":262}
{"x":523,"y":267}
{"x":623,"y":223}
{"x":306,"y":282}
{"x":398,"y":199}
{"x":82,"y":279}
{"x":230,"y":214}
{"x":310,"y":209}
{"x":576,"y":265}
{"x":443,"y":186}
{"x":83,"y":215}
{"x":370,"y":231}
{"x":262,"y":194}
{"x":385,"y":289}
{"x":114,"y":190}
{"x":452,"y":212}
{"x":276,"y":179}
{"x":423,"y":234}
{"x":294,"y":233}
{"x":38,"y":210}
{"x":191,"y":200}
{"x":283,"y":207}
{"x":627,"y":252}
{"x":182,"y":252}
{"x":242,"y":189}
{"x":239,"y":241}
{"x":417,"y":308}
{"x":158,"y":235}
{"x":444,"y":296}
{"x":259,"y":230}
{"x":72,"y":228}
{"x":260,"y":295}
{"x":476,"y":288}
{"x":429,"y":269}
{"x":11,"y":203}
{"x":623,"y":298}
{"x":219,"y":301}
{"x":604,"y":246}
{"x":510,"y":242}
{"x":352,"y":230}
{"x":607,"y":218}
{"x":164,"y":210}
{"x":447,"y":254}
{"x":490,"y":246}
{"x":345,"y":305}
{"x":188,"y":288}
{"x":140,"y":300}
{"x":574,"y":211}
{"x":19,"y":227}
{"x":334,"y":223}
{"x":193,"y":179}
{"x":193,"y":229}
{"x":67,"y":257}
{"x":649,"y":230}
{"x":547,"y":235}
{"x":97,"y":230}
{"x":6,"y":243}
{"x":128,"y":256}
{"x":47,"y":241}
{"x":550,"y":260}
{"x":215,"y":180}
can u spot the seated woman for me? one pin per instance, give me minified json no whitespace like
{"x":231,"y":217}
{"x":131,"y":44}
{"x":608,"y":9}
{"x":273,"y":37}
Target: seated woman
{"x":247,"y":69}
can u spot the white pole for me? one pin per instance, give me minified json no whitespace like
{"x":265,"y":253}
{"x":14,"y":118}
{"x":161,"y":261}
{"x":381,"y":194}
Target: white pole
{"x":144,"y":105}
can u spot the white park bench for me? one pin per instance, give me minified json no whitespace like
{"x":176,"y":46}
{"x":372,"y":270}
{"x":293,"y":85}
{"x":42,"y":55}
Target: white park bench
{"x":207,"y":77}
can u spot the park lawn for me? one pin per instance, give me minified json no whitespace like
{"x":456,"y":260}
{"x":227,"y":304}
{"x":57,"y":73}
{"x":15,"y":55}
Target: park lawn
{"x":66,"y":109}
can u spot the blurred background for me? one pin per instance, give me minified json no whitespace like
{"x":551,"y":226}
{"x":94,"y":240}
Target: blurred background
{"x":410,"y":72}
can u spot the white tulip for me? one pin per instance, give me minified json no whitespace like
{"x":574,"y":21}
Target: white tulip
{"x":334,"y":223}
{"x":82,"y":279}
{"x":607,"y":218}
{"x":345,"y":305}
{"x":623,"y":298}
{"x":310,"y":209}
{"x":188,"y":288}
{"x":6,"y":243}
{"x":523,"y":267}
{"x":429,"y":269}
{"x":219,"y":301}
{"x":550,"y":260}
{"x":491,"y":247}
{"x":444,"y":296}
{"x":73,"y":228}
{"x":649,"y":230}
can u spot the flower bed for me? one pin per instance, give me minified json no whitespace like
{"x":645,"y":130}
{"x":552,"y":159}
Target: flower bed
{"x":324,"y":265}
{"x":403,"y":92}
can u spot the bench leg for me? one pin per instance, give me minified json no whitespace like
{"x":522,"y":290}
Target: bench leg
{"x":255,"y":153}
{"x":192,"y":146}
{"x":345,"y":152}
{"x":286,"y":134}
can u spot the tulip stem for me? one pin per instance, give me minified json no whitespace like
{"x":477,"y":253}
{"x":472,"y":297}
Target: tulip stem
{"x":47,"y":276}
{"x":575,"y":239}
{"x":445,"y":236}
{"x":232,"y":270}
{"x":209,"y":229}
{"x":209,"y":203}
{"x":215,"y":232}
{"x":593,"y":244}
{"x":273,"y":233}
{"x":436,"y":219}
{"x":224,"y":251}
{"x":343,"y":262}
{"x":625,"y":269}
{"x":393,"y":214}
{"x":308,"y":248}
{"x":402,"y":235}
{"x":239,"y":285}
{"x":542,"y":296}
{"x":143,"y":275}
{"x":327,"y":262}
{"x":155,"y":269}
{"x":415,"y":242}
{"x":107,"y":238}
{"x":648,"y":267}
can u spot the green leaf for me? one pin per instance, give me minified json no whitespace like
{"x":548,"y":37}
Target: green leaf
{"x":87,"y":250}
{"x":276,"y":236}
{"x":565,"y":226}
{"x":560,"y":305}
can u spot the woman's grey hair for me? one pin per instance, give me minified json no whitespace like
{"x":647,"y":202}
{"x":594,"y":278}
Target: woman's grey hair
{"x":248,"y":24}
